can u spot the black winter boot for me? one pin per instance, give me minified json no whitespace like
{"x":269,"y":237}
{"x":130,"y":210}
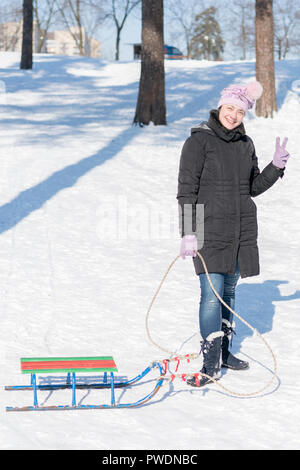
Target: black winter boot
{"x":211,"y":348}
{"x":228,"y":359}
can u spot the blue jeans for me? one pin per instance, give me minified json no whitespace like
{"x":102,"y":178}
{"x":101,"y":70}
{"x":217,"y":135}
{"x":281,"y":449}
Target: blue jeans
{"x":211,"y":310}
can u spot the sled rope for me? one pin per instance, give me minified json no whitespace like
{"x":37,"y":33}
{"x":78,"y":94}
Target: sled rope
{"x":188,"y":357}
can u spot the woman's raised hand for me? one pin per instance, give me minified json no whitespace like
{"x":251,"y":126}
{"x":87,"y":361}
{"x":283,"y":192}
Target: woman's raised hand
{"x":281,"y":155}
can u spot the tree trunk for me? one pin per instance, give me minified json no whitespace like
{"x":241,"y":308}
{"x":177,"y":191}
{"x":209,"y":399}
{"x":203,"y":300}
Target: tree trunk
{"x":78,"y":21}
{"x":118,"y":38}
{"x":279,"y":44}
{"x":151,"y":100}
{"x":265,"y":72}
{"x":26,"y":58}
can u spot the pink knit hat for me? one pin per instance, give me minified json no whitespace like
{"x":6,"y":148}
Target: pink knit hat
{"x":242,"y":96}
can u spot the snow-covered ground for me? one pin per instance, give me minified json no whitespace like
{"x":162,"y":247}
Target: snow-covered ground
{"x":88,"y":222}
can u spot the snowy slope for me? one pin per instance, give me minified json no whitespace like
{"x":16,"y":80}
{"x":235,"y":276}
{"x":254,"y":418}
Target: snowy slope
{"x":88,"y":221}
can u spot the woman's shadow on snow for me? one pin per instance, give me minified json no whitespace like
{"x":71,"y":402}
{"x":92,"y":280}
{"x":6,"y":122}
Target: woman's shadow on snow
{"x":255,"y":303}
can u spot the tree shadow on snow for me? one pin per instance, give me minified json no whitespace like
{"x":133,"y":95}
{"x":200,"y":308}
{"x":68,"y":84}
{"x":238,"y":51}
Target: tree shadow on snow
{"x":34,"y":198}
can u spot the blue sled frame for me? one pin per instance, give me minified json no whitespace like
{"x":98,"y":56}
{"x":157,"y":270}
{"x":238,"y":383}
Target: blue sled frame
{"x":71,"y":384}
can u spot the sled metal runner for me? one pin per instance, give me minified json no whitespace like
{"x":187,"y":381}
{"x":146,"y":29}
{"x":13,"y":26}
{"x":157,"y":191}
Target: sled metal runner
{"x":107,"y":380}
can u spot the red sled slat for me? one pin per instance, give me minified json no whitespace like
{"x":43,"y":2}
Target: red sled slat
{"x":86,"y":364}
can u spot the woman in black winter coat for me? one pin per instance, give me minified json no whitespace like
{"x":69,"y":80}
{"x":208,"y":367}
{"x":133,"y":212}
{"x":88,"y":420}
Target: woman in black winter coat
{"x":218,"y":176}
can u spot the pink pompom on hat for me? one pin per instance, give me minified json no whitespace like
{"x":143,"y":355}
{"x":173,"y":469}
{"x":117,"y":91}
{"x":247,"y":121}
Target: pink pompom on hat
{"x":242,"y":96}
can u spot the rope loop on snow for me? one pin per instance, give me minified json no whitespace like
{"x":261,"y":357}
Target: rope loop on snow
{"x":188,"y":357}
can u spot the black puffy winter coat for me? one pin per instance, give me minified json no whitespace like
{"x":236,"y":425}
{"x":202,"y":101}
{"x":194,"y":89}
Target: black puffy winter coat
{"x":218,"y":169}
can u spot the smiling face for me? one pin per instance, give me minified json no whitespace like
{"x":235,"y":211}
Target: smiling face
{"x":231,"y":116}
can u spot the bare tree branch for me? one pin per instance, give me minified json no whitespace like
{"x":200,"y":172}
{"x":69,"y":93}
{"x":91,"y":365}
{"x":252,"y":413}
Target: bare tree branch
{"x":44,"y":19}
{"x":118,"y":11}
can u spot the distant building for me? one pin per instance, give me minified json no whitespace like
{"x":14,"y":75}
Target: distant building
{"x":11,"y":37}
{"x":62,"y":42}
{"x":56,"y":42}
{"x":137,"y":51}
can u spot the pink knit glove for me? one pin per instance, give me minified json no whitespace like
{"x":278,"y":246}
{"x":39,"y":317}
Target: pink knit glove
{"x":281,"y":155}
{"x":188,"y":246}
